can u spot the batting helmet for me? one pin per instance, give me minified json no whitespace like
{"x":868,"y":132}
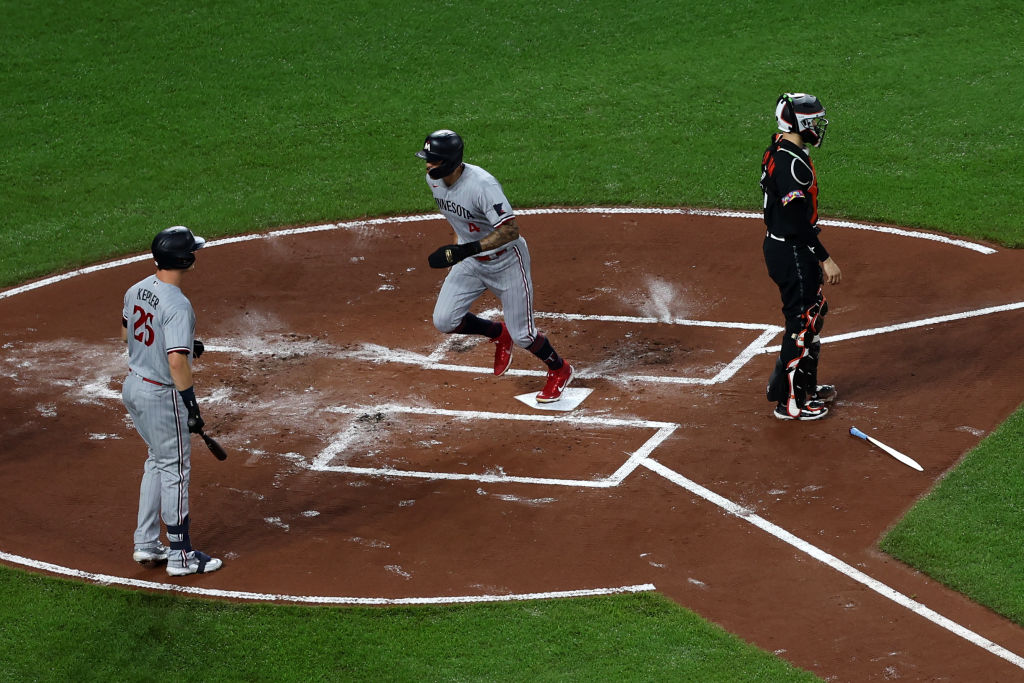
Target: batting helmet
{"x":798,"y":112}
{"x":174,"y":248}
{"x":442,"y":147}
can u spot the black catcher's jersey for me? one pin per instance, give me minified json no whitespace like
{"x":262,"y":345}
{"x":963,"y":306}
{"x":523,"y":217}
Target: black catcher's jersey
{"x":790,"y":187}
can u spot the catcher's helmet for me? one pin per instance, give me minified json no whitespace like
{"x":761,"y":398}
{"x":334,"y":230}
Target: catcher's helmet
{"x":442,"y":147}
{"x":174,"y":248}
{"x":798,"y":112}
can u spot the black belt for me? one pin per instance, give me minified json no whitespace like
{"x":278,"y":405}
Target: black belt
{"x":776,"y":237}
{"x":491,"y":257}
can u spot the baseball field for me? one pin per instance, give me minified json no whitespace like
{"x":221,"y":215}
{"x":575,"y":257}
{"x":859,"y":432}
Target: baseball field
{"x":242,"y":118}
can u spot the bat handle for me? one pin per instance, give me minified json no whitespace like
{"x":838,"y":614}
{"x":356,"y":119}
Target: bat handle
{"x":857,"y":433}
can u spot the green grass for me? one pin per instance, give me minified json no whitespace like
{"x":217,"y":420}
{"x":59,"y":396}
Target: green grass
{"x":238,"y":116}
{"x":968,"y":532}
{"x":120,"y":635}
{"x":123,"y":118}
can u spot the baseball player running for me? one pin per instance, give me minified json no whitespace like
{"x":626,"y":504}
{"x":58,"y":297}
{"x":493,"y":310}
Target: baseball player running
{"x":796,"y":259}
{"x":490,"y":255}
{"x":158,"y":324}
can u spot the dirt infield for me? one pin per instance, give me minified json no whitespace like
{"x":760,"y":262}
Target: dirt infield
{"x":373,"y":459}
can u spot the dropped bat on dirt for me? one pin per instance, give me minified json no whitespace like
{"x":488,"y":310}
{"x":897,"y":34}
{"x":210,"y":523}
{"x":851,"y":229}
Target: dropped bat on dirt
{"x":906,"y":460}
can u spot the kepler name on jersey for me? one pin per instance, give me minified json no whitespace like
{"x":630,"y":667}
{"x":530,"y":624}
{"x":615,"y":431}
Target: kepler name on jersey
{"x":146,"y":295}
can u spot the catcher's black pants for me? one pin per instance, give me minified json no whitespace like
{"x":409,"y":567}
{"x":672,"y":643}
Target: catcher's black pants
{"x":798,"y":275}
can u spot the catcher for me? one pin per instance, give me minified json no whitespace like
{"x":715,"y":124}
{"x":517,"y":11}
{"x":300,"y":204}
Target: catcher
{"x":797,"y":261}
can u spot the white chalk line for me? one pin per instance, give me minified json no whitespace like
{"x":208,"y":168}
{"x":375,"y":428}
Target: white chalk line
{"x":433,"y":361}
{"x":321,"y":462}
{"x":899,"y":327}
{"x":833,"y":562}
{"x":752,"y":349}
{"x":641,"y":459}
{"x":350,"y":225}
{"x":902,"y":232}
{"x":110,"y":580}
{"x":645,"y":320}
{"x":641,"y":456}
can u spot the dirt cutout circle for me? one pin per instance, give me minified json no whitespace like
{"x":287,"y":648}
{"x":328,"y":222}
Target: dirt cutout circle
{"x":373,"y":458}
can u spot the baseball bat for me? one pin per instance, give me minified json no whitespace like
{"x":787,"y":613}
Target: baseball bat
{"x":215,"y":448}
{"x":906,"y":460}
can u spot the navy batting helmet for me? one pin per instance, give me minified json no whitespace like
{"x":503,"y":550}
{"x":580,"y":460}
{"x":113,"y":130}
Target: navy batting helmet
{"x":798,"y":112}
{"x":442,"y":147}
{"x":174,"y":248}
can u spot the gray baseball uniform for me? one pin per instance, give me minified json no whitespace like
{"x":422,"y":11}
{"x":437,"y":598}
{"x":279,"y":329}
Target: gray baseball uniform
{"x":476,"y":206}
{"x":159,"y":320}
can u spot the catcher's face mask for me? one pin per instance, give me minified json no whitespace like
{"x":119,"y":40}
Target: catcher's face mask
{"x":812,"y":129}
{"x":803,"y":114}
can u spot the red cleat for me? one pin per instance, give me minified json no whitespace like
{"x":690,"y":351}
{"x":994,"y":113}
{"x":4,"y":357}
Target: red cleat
{"x":558,"y":380}
{"x":502,"y":351}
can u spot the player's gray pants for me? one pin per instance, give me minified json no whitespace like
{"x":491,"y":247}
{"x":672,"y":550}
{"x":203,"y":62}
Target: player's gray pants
{"x":161,"y":419}
{"x":507,"y":277}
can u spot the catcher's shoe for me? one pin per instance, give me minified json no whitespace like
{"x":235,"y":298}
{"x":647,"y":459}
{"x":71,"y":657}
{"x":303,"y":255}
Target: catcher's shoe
{"x":826,"y":393}
{"x":502,"y":351}
{"x":558,"y":380}
{"x":153,"y":554}
{"x":196,"y":563}
{"x":812,"y":410}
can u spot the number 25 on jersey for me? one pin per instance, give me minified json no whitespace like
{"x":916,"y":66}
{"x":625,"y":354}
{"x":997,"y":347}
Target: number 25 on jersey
{"x":143,"y":326}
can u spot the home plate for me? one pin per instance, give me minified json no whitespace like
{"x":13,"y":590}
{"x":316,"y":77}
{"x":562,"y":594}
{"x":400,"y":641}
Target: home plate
{"x":571,"y":399}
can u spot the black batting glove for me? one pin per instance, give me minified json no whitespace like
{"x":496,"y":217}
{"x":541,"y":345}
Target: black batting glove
{"x":450,"y":254}
{"x":197,"y":348}
{"x":195,"y":420}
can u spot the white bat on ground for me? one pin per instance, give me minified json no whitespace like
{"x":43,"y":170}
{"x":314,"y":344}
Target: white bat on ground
{"x":906,"y":460}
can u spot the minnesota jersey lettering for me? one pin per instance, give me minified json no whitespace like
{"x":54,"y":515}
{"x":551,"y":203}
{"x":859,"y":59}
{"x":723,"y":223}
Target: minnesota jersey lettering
{"x":449,"y":207}
{"x":475,"y":206}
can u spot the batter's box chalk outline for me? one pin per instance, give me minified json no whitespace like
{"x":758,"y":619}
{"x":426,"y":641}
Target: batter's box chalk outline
{"x":911,"y":324}
{"x":341,"y":441}
{"x":755,"y":348}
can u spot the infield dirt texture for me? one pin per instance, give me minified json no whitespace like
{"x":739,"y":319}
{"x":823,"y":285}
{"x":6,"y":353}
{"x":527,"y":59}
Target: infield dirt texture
{"x":373,"y":461}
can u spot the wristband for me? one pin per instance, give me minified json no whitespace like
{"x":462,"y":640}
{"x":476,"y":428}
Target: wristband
{"x":189,"y":397}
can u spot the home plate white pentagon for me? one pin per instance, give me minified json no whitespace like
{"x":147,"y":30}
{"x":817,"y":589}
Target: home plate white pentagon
{"x":571,"y":399}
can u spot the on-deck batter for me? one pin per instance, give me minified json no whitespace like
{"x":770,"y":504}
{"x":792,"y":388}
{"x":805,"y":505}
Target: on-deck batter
{"x":158,"y":324}
{"x":490,"y":255}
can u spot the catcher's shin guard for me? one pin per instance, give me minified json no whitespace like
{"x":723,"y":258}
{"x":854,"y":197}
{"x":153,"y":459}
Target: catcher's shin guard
{"x":807,"y":370}
{"x":783,"y":384}
{"x":796,"y":370}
